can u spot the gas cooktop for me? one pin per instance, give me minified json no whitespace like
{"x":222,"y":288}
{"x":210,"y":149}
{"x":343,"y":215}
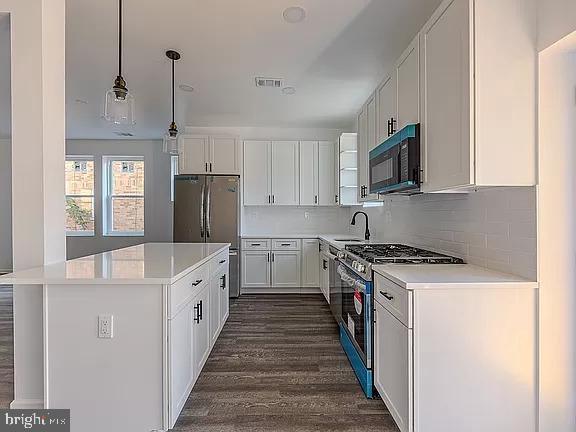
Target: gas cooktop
{"x":400,"y":254}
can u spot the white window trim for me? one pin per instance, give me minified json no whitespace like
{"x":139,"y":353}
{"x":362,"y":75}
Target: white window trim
{"x":83,"y":233}
{"x":107,"y":196}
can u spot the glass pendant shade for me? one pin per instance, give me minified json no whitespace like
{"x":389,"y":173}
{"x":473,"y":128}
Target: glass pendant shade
{"x":119,"y":107}
{"x":171,"y":145}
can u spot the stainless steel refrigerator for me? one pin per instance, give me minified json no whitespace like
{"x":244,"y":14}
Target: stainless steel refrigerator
{"x":207,"y":210}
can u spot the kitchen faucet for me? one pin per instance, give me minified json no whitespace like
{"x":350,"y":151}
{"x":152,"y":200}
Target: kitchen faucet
{"x":367,"y":232}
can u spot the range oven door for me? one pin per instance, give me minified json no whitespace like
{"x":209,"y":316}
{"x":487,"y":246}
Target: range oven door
{"x":356,"y":295}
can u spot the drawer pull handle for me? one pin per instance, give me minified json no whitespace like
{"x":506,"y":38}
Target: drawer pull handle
{"x":388,"y":296}
{"x":197,"y":313}
{"x":222,"y":262}
{"x":198,"y":282}
{"x":285,"y":244}
{"x":255,"y":244}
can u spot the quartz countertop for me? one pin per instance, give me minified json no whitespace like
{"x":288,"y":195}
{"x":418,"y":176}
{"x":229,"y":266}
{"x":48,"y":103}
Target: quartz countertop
{"x":448,"y":276}
{"x":148,"y":263}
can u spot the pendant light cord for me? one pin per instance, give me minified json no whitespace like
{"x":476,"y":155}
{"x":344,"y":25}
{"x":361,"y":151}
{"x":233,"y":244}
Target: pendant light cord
{"x":119,"y":37}
{"x":172,"y":90}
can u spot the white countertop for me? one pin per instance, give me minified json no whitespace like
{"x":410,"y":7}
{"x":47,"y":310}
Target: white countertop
{"x":149,"y":263}
{"x":448,"y":276}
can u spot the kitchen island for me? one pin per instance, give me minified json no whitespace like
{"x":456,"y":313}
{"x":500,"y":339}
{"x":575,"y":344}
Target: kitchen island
{"x":127,"y":332}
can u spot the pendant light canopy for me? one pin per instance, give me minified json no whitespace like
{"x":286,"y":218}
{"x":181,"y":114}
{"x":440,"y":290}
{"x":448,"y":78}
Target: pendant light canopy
{"x":119,"y":105}
{"x":171,"y":139}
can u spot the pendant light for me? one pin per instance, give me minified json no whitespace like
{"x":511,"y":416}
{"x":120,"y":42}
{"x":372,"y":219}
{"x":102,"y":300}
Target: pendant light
{"x":119,"y":106}
{"x":171,"y":139}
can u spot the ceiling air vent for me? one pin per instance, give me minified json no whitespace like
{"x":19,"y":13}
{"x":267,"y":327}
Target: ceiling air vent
{"x":124,"y":134}
{"x":269,"y":82}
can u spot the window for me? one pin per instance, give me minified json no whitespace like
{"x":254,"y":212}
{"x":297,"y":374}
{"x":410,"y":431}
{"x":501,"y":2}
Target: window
{"x":124,"y":196}
{"x":79,"y":196}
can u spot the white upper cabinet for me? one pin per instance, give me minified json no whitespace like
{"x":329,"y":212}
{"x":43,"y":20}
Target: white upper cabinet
{"x":366,"y":142}
{"x":386,"y":120}
{"x":285,"y":173}
{"x":200,"y":154}
{"x":408,"y":85}
{"x":478,"y":61}
{"x":318,"y":173}
{"x":257,"y":174}
{"x":194,"y":154}
{"x":225,"y":155}
{"x":308,"y":173}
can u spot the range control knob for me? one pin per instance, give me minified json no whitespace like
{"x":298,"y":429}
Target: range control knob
{"x":341,"y":255}
{"x":361,"y":267}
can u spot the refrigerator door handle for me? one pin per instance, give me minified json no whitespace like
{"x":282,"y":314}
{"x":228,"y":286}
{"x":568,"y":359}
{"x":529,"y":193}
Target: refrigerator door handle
{"x":202,"y":212}
{"x":208,"y":209}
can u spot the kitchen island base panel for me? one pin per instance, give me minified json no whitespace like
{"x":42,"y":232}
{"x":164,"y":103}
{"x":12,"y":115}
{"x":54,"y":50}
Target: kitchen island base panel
{"x":120,"y":376}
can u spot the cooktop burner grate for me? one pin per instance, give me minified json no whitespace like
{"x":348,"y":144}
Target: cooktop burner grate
{"x":397,"y":253}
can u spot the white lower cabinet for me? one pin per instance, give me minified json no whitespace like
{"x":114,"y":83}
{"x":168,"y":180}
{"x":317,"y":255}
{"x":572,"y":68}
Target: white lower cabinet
{"x":181,"y":360}
{"x":255,"y":269}
{"x":456,"y":358}
{"x":280,"y":265}
{"x":286,"y":269}
{"x":201,"y":328}
{"x":199,"y":311}
{"x":392,"y":366}
{"x":310,"y":257}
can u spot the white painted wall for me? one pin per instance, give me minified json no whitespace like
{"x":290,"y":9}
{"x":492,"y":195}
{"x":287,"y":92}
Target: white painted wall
{"x":493,"y":228}
{"x":5,"y":205}
{"x":157,"y":204}
{"x":557,"y":236}
{"x":295,"y":220}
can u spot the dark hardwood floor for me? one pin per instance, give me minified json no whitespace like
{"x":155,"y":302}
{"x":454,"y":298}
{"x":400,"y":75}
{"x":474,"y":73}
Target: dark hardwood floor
{"x":277,"y":366}
{"x":6,"y":348}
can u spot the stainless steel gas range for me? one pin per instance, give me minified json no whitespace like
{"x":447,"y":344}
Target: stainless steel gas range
{"x":354,"y":288}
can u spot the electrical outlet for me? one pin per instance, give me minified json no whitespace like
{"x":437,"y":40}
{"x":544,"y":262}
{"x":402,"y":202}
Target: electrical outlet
{"x":105,"y":326}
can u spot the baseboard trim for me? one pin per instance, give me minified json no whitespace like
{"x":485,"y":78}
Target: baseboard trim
{"x":275,"y":290}
{"x":27,"y":404}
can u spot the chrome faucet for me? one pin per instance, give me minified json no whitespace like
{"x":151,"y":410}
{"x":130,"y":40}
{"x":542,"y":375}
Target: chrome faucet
{"x":367,"y":231}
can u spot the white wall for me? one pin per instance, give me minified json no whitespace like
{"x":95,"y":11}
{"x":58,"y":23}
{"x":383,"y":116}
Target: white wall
{"x":157,"y":204}
{"x":494,"y":228}
{"x":5,"y":205}
{"x":295,"y":220}
{"x":557,"y":236}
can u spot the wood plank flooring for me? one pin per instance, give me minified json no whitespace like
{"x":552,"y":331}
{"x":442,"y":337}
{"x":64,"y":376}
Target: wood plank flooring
{"x":277,"y":366}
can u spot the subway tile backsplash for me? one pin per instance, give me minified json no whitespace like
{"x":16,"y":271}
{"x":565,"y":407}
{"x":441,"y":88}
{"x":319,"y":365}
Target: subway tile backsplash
{"x":493,"y":228}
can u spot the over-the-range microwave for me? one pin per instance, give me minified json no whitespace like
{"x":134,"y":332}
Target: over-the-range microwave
{"x":395,"y":164}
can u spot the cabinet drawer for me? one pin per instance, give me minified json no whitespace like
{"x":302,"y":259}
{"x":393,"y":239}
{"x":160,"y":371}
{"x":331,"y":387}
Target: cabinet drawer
{"x":181,"y":291}
{"x":219,"y":261}
{"x":256,"y":244}
{"x":397,"y":300}
{"x":290,"y":244}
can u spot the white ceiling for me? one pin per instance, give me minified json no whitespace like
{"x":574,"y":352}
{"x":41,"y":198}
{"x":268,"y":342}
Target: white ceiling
{"x":333,"y":59}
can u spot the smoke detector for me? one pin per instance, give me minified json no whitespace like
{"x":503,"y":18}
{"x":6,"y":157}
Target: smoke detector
{"x":294,"y":14}
{"x":269,"y":82}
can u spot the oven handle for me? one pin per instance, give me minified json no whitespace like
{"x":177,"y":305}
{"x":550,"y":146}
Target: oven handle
{"x":350,"y":281}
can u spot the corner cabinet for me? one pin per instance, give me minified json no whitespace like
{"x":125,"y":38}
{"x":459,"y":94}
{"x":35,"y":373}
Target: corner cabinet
{"x":478,"y":106}
{"x":203,"y":154}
